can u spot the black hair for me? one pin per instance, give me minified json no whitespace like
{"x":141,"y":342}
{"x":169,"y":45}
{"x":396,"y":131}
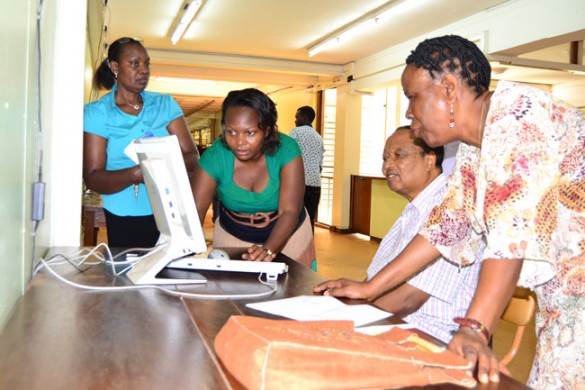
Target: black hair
{"x":451,"y":53}
{"x":438,"y":151}
{"x":307,"y":113}
{"x":103,"y":77}
{"x":265,"y":109}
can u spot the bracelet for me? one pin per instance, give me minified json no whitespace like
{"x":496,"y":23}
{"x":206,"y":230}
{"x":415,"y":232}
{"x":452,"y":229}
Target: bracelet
{"x":474,"y":325}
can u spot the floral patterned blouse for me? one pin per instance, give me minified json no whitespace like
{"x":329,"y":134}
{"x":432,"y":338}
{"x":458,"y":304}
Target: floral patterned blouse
{"x":522,"y":195}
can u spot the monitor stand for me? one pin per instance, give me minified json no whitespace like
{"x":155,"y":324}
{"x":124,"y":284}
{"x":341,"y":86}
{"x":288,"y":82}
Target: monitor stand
{"x":147,"y":270}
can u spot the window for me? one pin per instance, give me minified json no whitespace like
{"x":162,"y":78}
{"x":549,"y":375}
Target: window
{"x":324,"y":212}
{"x":373,"y":132}
{"x":382,"y":113}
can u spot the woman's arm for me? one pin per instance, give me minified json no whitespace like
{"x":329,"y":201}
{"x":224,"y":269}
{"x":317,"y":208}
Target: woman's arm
{"x":98,"y":179}
{"x":179,"y":128}
{"x":497,"y":283}
{"x":415,"y":256}
{"x":203,"y":187}
{"x":290,"y":202}
{"x":94,"y":168}
{"x":403,"y":300}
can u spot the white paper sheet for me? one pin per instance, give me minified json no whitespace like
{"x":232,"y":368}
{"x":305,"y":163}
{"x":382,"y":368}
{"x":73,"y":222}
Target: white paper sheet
{"x":317,"y":307}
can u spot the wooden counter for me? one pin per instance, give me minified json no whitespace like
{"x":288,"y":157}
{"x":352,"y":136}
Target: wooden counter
{"x":61,"y":337}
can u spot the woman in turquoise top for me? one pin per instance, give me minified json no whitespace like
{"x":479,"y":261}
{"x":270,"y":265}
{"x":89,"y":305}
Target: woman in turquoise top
{"x":258,"y":174}
{"x":111,"y":124}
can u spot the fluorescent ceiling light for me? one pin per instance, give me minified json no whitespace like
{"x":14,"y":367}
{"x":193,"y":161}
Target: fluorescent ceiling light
{"x":341,"y":36}
{"x":188,"y":16}
{"x":323,"y":45}
{"x":373,"y":18}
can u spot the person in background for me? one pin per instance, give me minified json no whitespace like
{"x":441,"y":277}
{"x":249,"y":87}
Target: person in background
{"x":257,"y":173}
{"x":312,"y":148}
{"x":111,"y":124}
{"x":442,"y":291}
{"x":515,"y":202}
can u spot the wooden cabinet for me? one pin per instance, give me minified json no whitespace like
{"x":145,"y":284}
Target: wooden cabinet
{"x":361,"y":199}
{"x":373,"y":206}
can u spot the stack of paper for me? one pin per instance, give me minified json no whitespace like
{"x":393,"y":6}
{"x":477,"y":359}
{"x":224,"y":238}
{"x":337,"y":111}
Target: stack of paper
{"x":318,"y":307}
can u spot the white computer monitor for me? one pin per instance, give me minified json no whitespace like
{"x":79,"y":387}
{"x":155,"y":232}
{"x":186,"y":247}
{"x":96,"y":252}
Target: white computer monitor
{"x":169,"y":191}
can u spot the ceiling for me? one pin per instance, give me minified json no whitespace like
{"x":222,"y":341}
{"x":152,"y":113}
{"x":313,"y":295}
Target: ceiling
{"x":234,"y":44}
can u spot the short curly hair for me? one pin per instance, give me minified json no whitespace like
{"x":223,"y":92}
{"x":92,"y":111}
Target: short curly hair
{"x":454,"y":54}
{"x":265,"y":109}
{"x":308,"y":113}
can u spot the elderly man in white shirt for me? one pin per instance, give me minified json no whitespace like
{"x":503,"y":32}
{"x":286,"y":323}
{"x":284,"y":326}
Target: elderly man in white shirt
{"x":443,"y":290}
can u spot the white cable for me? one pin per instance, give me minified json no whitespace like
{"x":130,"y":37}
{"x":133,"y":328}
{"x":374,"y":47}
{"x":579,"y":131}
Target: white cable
{"x":38,"y":153}
{"x":81,"y":257}
{"x":42,"y":263}
{"x":138,"y":259}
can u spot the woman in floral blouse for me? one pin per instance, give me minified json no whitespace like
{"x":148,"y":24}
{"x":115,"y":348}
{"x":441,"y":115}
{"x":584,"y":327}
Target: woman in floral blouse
{"x":516,"y":202}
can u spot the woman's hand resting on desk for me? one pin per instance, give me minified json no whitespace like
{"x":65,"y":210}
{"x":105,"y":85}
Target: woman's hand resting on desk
{"x":258,"y":253}
{"x":472,"y":346}
{"x":345,"y":288}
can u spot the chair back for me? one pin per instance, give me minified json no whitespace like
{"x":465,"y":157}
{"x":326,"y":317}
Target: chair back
{"x":519,"y":312}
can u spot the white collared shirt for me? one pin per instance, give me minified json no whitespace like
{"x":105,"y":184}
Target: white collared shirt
{"x":450,"y":287}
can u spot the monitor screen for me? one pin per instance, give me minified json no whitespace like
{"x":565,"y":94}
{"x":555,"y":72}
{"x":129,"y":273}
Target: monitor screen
{"x":169,"y":191}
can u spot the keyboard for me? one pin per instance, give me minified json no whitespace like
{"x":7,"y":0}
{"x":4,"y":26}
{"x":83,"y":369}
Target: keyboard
{"x":271,"y":269}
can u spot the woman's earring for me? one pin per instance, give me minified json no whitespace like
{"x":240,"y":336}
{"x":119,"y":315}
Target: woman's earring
{"x":451,"y":116}
{"x":116,"y":77}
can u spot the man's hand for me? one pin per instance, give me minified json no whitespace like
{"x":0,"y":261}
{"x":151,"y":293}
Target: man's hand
{"x":345,"y":288}
{"x":473,"y":347}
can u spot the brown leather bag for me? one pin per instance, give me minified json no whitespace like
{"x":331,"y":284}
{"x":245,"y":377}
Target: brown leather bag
{"x":285,"y":354}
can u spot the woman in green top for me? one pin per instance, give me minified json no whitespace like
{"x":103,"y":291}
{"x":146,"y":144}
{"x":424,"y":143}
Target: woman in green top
{"x":258,"y":174}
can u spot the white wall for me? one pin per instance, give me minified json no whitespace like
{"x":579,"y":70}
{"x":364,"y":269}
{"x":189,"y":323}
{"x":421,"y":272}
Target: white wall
{"x":63,"y":64}
{"x":573,"y":93}
{"x":287,"y":105}
{"x":347,"y":149}
{"x":17,"y":107}
{"x":62,"y":57}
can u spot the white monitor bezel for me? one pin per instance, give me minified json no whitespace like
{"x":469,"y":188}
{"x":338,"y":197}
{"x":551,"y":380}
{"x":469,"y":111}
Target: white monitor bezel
{"x":173,"y":205}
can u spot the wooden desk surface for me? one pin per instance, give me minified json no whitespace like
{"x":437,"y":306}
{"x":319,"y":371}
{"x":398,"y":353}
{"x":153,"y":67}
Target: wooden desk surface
{"x":60,"y":337}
